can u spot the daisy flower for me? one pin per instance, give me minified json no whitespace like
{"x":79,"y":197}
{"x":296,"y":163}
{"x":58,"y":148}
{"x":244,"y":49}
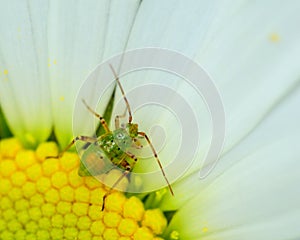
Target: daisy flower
{"x":251,"y":52}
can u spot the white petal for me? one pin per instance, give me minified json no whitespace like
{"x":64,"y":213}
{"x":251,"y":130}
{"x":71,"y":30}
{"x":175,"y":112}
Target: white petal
{"x":254,"y":59}
{"x":24,"y":86}
{"x":80,"y":35}
{"x":257,"y":196}
{"x":250,"y":49}
{"x":282,"y":122}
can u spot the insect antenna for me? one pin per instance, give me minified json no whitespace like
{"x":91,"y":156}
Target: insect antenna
{"x":123,"y":93}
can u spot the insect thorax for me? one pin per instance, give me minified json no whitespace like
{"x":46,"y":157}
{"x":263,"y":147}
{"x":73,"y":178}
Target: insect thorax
{"x":132,"y":129}
{"x":115,"y":143}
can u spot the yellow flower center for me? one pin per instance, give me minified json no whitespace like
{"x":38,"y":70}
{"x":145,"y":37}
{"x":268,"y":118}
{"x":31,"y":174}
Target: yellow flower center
{"x":47,"y":199}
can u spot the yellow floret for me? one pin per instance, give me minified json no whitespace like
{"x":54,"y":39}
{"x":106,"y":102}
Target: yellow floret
{"x":96,"y":196}
{"x":29,"y":189}
{"x":69,"y":162}
{"x":50,"y":166}
{"x":143,"y":233}
{"x":45,"y":150}
{"x":67,"y":194}
{"x":114,"y":202}
{"x":35,"y":213}
{"x":25,"y":159}
{"x":2,"y":225}
{"x":5,"y":186}
{"x":134,"y":208}
{"x":155,"y":220}
{"x":97,"y":228}
{"x":43,"y":184}
{"x":57,"y":233}
{"x":18,"y":178}
{"x":70,"y":220}
{"x":95,"y":212}
{"x":20,"y":234}
{"x":48,"y":209}
{"x":111,"y":234}
{"x":44,"y":223}
{"x":21,"y":204}
{"x":59,"y":179}
{"x":82,"y":194}
{"x":84,"y":223}
{"x":127,"y":227}
{"x":74,"y":180}
{"x":14,"y":225}
{"x":15,"y":194}
{"x":7,"y":235}
{"x":7,"y":167}
{"x":37,"y":200}
{"x":57,"y":220}
{"x":9,"y":214}
{"x":5,"y":203}
{"x":31,"y":226}
{"x":63,"y":207}
{"x":70,"y":233}
{"x":52,"y":196}
{"x":80,"y":209}
{"x":111,"y":219}
{"x":23,"y":216}
{"x":83,"y":235}
{"x":34,"y":172}
{"x":42,"y":234}
{"x":9,"y":147}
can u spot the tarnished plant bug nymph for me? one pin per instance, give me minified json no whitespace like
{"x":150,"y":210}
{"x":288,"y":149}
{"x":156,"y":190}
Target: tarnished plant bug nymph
{"x":112,"y":149}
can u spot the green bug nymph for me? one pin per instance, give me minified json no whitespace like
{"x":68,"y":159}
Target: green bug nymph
{"x":111,"y":149}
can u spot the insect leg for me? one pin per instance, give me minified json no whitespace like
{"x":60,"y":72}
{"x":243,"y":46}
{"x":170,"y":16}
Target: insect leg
{"x":115,"y":184}
{"x":117,"y":119}
{"x":136,"y":144}
{"x":79,"y":138}
{"x":102,"y":120}
{"x":126,"y":172}
{"x":156,"y":157}
{"x":123,"y":93}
